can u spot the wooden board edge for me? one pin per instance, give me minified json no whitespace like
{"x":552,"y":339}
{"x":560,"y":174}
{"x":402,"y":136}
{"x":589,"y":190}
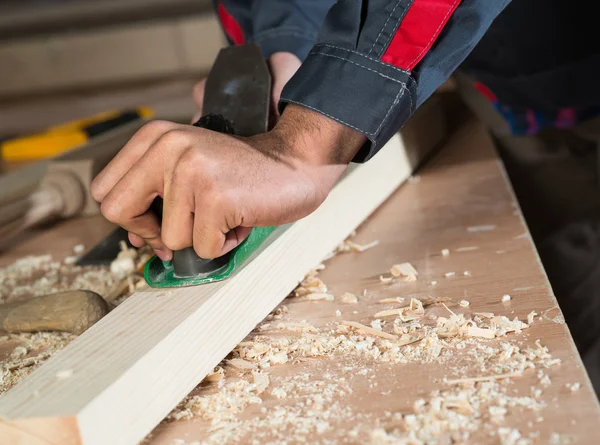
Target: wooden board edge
{"x":36,"y":431}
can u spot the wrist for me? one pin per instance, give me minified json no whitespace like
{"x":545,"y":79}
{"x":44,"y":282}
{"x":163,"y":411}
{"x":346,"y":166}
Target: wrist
{"x":313,"y":138}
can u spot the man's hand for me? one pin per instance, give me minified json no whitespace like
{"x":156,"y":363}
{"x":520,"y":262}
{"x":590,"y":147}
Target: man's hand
{"x":216,"y":187}
{"x":282,"y":65}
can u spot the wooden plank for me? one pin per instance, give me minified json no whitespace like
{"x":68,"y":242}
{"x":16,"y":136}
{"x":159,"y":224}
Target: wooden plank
{"x":464,"y":186}
{"x":131,"y":368}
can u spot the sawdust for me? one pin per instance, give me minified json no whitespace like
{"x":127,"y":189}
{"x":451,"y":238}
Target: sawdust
{"x":31,"y":351}
{"x":313,"y":404}
{"x":473,"y":399}
{"x":39,"y":275}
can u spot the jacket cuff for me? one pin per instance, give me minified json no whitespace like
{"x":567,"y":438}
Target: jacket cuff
{"x":358,"y":91}
{"x":291,"y":40}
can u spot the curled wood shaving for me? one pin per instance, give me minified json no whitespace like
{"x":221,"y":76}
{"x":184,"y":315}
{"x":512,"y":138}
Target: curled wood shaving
{"x":311,"y":285}
{"x":394,"y":300}
{"x":404,"y":270}
{"x":351,"y":246}
{"x":368,"y":330}
{"x":413,"y":311}
{"x":241,"y":363}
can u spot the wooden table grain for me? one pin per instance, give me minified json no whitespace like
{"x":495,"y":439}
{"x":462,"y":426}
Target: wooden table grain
{"x":460,"y":201}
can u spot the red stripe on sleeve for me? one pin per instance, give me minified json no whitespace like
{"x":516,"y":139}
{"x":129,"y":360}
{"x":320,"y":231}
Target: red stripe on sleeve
{"x":420,"y":27}
{"x":483,"y":89}
{"x":231,"y":26}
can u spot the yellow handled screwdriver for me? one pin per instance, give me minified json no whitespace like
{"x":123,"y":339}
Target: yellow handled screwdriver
{"x":60,"y":138}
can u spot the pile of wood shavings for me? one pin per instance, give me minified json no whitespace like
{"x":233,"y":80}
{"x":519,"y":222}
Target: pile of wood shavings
{"x":455,"y":415}
{"x":39,"y":275}
{"x":30,"y":351}
{"x":477,"y":402}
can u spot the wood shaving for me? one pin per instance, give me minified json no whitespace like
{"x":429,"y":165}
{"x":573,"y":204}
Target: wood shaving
{"x":413,"y":311}
{"x":348,"y":298}
{"x":449,"y":274}
{"x":531,"y":316}
{"x":474,"y":331}
{"x":483,"y":228}
{"x":215,"y":376}
{"x":125,"y":263}
{"x":394,"y":300}
{"x":466,"y":249}
{"x":368,"y":330}
{"x":241,"y":364}
{"x":311,"y":285}
{"x":351,"y":246}
{"x":386,"y":280}
{"x":404,"y":270}
{"x":464,"y":303}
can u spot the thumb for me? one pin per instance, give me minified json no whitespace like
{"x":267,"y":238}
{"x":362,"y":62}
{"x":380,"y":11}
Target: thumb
{"x":212,"y":241}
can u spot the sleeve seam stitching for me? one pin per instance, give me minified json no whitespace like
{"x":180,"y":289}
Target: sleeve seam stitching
{"x":283,"y":31}
{"x":358,"y":64}
{"x":362,"y":55}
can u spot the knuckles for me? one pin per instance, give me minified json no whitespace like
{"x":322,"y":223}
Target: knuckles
{"x":111,"y":211}
{"x":175,"y":240}
{"x":153,"y":128}
{"x":97,"y":190}
{"x":174,"y":138}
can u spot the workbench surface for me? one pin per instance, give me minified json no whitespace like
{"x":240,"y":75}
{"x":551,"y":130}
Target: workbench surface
{"x":328,"y":392}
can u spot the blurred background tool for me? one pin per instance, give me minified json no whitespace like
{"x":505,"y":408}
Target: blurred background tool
{"x":57,"y":188}
{"x":60,"y":138}
{"x":68,"y":311}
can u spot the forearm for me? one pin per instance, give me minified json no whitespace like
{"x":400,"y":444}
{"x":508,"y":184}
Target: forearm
{"x":316,"y":139}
